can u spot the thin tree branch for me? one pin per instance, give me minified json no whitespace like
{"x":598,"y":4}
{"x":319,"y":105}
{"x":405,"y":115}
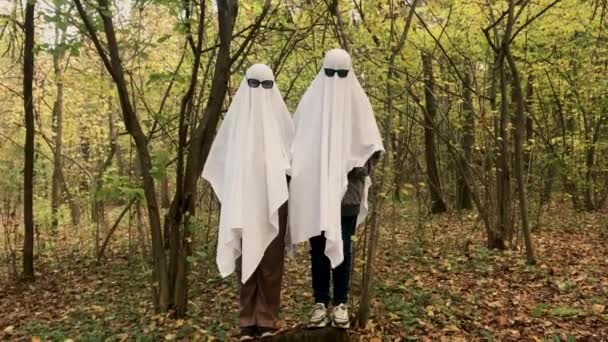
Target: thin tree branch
{"x":93,"y":35}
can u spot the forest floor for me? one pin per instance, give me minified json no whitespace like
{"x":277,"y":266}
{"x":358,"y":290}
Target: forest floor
{"x":434,"y":282}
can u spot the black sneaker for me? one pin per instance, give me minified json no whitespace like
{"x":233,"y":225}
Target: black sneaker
{"x":267,"y":332}
{"x":247,"y":334}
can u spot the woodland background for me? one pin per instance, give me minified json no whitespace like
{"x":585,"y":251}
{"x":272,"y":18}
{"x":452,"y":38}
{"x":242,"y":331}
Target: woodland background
{"x":488,"y":211}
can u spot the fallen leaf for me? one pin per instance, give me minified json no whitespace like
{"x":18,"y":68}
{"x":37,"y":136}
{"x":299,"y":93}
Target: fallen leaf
{"x":597,"y":309}
{"x":495,"y":304}
{"x":451,"y":328}
{"x":122,"y":337}
{"x":9,"y":329}
{"x":427,"y":326}
{"x":98,"y":308}
{"x":393,"y":317}
{"x":281,"y":324}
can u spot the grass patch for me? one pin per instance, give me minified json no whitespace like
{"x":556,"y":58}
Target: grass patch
{"x":563,"y":311}
{"x":539,"y":310}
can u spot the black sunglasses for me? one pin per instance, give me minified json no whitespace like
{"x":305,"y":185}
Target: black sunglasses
{"x":253,"y":83}
{"x":331,"y":72}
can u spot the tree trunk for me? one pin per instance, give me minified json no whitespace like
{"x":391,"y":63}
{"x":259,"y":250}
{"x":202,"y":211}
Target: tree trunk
{"x":164,"y":193}
{"x":170,"y":288}
{"x":548,"y":181}
{"x":437,"y":203}
{"x":373,"y":225}
{"x":114,"y":139}
{"x":518,"y":135}
{"x":529,"y":122}
{"x":503,"y":174}
{"x":183,"y":205}
{"x":57,"y":127}
{"x":28,"y":172}
{"x":463,"y":198}
{"x":589,"y":185}
{"x":114,"y":66}
{"x":85,"y":154}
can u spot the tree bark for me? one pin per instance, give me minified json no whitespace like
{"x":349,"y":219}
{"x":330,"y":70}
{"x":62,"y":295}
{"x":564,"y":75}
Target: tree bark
{"x":120,"y":162}
{"x":170,"y":288}
{"x":178,"y":244}
{"x":57,"y":127}
{"x":437,"y":203}
{"x":114,"y":66}
{"x":518,"y":135}
{"x":503,"y":174}
{"x":463,"y":198}
{"x":165,"y":202}
{"x":374,"y":234}
{"x":529,"y":126}
{"x":548,"y":180}
{"x":57,"y":134}
{"x":28,"y":173}
{"x":184,"y":201}
{"x":334,"y":9}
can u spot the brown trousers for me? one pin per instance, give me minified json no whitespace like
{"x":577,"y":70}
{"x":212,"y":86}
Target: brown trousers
{"x":261,"y":294}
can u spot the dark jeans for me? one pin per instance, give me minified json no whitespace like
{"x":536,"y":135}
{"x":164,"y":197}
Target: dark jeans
{"x":321,"y":267}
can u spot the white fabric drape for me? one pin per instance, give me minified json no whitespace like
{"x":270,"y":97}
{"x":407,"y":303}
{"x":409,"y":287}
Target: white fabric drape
{"x":335,"y":132}
{"x":247,"y":167}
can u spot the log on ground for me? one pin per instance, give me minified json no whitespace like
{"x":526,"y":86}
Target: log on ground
{"x":328,"y":334}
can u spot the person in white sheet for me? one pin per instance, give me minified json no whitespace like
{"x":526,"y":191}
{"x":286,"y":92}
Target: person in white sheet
{"x":247,"y":167}
{"x":335,"y":144}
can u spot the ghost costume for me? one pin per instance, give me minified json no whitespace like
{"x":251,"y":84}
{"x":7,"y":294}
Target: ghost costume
{"x":247,"y":167}
{"x":336,"y":132}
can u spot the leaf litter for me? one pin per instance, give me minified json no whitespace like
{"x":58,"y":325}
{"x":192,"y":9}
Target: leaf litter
{"x":428,"y":288}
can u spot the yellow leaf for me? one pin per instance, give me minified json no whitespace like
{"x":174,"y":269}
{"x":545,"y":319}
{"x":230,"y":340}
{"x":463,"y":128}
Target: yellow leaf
{"x":451,"y":328}
{"x":36,"y":339}
{"x":495,"y":304}
{"x":98,"y":308}
{"x":597,"y":308}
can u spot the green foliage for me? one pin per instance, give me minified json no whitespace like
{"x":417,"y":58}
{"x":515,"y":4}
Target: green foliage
{"x":563,"y":311}
{"x":539,"y":310}
{"x":117,"y":187}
